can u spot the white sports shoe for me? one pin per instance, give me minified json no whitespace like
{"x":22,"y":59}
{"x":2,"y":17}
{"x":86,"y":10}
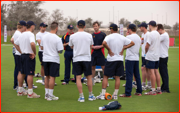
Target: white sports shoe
{"x":33,"y":95}
{"x":148,"y":87}
{"x":81,"y":99}
{"x":101,"y":97}
{"x":143,"y":88}
{"x":52,"y":98}
{"x":115,"y":97}
{"x":92,"y":97}
{"x":46,"y":96}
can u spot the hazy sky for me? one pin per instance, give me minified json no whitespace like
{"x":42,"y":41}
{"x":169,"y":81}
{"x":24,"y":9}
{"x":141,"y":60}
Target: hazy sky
{"x":131,"y":10}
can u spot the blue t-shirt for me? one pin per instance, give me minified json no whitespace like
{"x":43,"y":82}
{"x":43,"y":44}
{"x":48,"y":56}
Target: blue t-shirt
{"x":98,"y":39}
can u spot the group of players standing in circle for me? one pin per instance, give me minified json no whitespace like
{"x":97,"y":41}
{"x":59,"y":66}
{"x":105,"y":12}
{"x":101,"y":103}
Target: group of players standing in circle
{"x":77,"y":46}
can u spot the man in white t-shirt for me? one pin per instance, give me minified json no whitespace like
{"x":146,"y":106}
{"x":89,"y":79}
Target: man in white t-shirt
{"x":164,"y":46}
{"x":81,"y":43}
{"x":115,"y":44}
{"x":51,"y":45}
{"x":25,"y":44}
{"x":21,"y":27}
{"x":152,"y":58}
{"x":39,"y":37}
{"x":132,"y":63}
{"x":143,"y":27}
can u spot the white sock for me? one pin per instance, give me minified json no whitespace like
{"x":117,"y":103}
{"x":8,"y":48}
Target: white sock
{"x":51,"y":92}
{"x":153,"y":89}
{"x":116,"y":91}
{"x":149,"y":83}
{"x":20,"y":89}
{"x":30,"y":91}
{"x":90,"y":93}
{"x":144,"y":84}
{"x":46,"y":91}
{"x":103,"y":91}
{"x":81,"y":95}
{"x":158,"y":88}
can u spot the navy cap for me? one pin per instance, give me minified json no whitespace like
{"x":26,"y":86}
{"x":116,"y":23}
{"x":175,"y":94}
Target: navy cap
{"x":143,"y":24}
{"x":113,"y":26}
{"x":70,"y":26}
{"x":30,"y":23}
{"x":153,"y":23}
{"x":131,"y":26}
{"x":22,"y":22}
{"x":81,"y":23}
{"x":43,"y":25}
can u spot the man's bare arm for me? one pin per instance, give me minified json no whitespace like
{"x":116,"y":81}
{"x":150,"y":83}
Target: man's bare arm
{"x":33,"y":46}
{"x":127,"y":46}
{"x":17,"y":48}
{"x":39,"y":42}
{"x":107,"y":47}
{"x":147,"y":47}
{"x":12,"y":41}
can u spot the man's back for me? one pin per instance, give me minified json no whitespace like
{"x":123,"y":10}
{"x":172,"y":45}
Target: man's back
{"x":164,"y":45}
{"x":132,"y":53}
{"x":39,"y":36}
{"x":81,"y":42}
{"x":25,"y":40}
{"x":154,"y":48}
{"x":116,"y":42}
{"x":51,"y":45}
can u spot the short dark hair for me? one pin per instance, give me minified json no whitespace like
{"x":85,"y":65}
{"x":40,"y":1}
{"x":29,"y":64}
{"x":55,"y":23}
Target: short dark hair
{"x":160,"y":26}
{"x":54,"y":25}
{"x":80,"y":26}
{"x":133,"y":30}
{"x":96,"y":22}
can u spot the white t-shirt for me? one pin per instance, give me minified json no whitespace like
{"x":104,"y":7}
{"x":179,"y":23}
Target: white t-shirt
{"x":81,"y":42}
{"x":116,"y":43}
{"x":132,"y":53}
{"x":51,"y":44}
{"x":39,"y":36}
{"x":145,"y":36}
{"x":154,"y":48}
{"x":164,"y":45}
{"x":24,"y":42}
{"x":16,"y":36}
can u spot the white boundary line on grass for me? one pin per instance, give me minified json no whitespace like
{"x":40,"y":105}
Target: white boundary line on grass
{"x":37,"y":45}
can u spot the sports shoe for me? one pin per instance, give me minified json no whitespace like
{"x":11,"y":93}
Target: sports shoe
{"x":148,"y":87}
{"x":101,"y":97}
{"x":21,"y":93}
{"x":46,"y":96}
{"x":42,"y":83}
{"x":81,"y":99}
{"x":150,"y":93}
{"x":92,"y":97}
{"x":33,"y":95}
{"x":143,"y":88}
{"x":158,"y":92}
{"x":124,"y":95}
{"x":64,"y":83}
{"x":52,"y":98}
{"x":115,"y":97}
{"x":55,"y":84}
{"x":138,"y":94}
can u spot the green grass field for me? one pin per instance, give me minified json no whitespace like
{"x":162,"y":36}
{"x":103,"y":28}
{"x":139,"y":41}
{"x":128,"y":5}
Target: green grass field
{"x":68,"y":94}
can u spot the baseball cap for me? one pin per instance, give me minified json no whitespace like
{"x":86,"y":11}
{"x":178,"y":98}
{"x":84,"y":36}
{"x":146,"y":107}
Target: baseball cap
{"x":131,"y":26}
{"x":70,"y":26}
{"x":113,"y":26}
{"x":81,"y":23}
{"x":22,"y":22}
{"x":30,"y":23}
{"x":43,"y":24}
{"x":143,"y":24}
{"x":153,"y":23}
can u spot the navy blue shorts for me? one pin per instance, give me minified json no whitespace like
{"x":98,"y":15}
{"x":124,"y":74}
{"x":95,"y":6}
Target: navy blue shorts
{"x":18,"y":62}
{"x":152,"y":64}
{"x":97,"y":61}
{"x":51,"y":69}
{"x":115,"y":68}
{"x":82,"y":67}
{"x":143,"y":62}
{"x":40,"y":53}
{"x":28,"y":64}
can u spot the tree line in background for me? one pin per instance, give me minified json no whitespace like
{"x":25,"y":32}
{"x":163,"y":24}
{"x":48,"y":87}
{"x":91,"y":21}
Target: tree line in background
{"x":30,"y":10}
